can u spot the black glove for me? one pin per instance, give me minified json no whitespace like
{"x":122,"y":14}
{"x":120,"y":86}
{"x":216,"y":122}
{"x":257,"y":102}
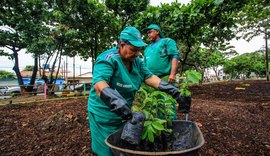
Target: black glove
{"x":116,"y":102}
{"x":133,"y":129}
{"x":174,"y":92}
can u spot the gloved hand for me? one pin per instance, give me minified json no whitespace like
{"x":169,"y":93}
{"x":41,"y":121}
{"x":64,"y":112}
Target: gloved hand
{"x":174,"y":92}
{"x":133,"y":129}
{"x":116,"y":103}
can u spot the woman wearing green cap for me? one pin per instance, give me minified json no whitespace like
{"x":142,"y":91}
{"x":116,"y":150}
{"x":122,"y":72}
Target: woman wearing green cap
{"x":118,"y":74}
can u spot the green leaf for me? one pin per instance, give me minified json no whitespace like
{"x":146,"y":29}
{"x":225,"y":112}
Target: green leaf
{"x":148,"y":101}
{"x":146,"y":123}
{"x":187,"y":93}
{"x":161,"y":110}
{"x":169,"y":130}
{"x":158,"y":126}
{"x":147,"y":114}
{"x":192,"y":76}
{"x":150,"y":135}
{"x":218,"y":2}
{"x":161,"y":121}
{"x":144,"y":135}
{"x":135,"y":108}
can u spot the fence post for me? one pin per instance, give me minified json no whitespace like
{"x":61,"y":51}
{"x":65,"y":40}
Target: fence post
{"x":45,"y":91}
{"x":84,"y":89}
{"x":22,"y":90}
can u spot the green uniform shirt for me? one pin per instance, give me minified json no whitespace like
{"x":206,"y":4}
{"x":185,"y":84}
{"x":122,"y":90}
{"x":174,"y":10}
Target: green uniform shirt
{"x":110,"y":68}
{"x":158,"y":56}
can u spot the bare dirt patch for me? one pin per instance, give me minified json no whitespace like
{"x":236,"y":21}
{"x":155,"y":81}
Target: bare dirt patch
{"x":233,"y":122}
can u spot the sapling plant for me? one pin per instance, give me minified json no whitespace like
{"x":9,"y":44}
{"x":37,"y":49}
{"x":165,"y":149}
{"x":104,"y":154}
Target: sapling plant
{"x":191,"y":77}
{"x":158,"y":108}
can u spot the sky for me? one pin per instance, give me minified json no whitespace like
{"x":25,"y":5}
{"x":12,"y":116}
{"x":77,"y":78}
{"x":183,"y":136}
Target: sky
{"x":241,"y":46}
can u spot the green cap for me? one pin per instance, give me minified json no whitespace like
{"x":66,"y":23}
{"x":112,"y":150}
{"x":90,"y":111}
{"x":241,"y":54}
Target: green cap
{"x":133,"y":36}
{"x":156,"y":27}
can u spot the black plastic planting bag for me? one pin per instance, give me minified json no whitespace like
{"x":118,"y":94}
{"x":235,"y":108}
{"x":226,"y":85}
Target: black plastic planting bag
{"x":184,"y":104}
{"x":133,"y":129}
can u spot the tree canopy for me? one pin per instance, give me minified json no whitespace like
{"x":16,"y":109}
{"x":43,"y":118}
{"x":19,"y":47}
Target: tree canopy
{"x":202,"y":22}
{"x":254,"y":20}
{"x":6,"y":74}
{"x":245,"y":64}
{"x":50,"y":30}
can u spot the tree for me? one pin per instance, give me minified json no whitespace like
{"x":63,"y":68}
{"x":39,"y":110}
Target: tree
{"x":28,"y":68}
{"x":6,"y":74}
{"x":200,"y":22}
{"x":96,"y":25}
{"x":22,"y":23}
{"x":254,"y":20}
{"x":229,"y":68}
{"x":245,"y":64}
{"x":52,"y":29}
{"x":89,"y":27}
{"x":126,"y":11}
{"x":203,"y":58}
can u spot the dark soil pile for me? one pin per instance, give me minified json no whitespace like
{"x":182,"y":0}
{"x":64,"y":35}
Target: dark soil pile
{"x":233,"y":122}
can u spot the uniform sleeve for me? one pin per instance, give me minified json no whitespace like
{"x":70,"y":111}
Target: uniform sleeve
{"x":103,"y":71}
{"x":145,"y":72}
{"x":172,"y":48}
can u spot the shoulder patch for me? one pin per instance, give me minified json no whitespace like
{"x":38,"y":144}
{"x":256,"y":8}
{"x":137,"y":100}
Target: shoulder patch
{"x":109,"y":55}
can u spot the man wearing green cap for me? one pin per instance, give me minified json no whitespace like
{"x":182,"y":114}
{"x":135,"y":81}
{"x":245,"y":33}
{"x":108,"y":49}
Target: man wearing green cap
{"x":161,"y":56}
{"x":117,"y":75}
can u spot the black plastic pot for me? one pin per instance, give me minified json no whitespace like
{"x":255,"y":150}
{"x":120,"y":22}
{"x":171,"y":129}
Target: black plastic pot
{"x":191,"y":138}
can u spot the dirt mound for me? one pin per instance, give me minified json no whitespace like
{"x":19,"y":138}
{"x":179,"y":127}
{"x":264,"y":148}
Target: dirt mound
{"x":60,"y":121}
{"x":233,"y":122}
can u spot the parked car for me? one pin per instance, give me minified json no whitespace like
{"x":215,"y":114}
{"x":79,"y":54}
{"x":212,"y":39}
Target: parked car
{"x":16,"y":90}
{"x":3,"y":89}
{"x":13,"y":91}
{"x":80,"y":87}
{"x":38,"y":87}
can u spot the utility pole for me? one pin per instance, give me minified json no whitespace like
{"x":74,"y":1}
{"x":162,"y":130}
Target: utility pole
{"x":73,"y":72}
{"x":266,"y":56}
{"x":66,"y":70}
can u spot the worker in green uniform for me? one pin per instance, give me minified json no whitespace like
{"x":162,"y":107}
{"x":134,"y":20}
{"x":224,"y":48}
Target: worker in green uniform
{"x":161,"y":56}
{"x":117,"y":75}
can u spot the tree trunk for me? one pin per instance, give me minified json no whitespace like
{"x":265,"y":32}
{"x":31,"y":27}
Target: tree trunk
{"x":52,"y":78}
{"x":17,"y":70}
{"x":216,"y":73}
{"x":59,"y":63}
{"x":202,"y":77}
{"x":266,"y":56}
{"x":34,"y":75}
{"x":185,"y":57}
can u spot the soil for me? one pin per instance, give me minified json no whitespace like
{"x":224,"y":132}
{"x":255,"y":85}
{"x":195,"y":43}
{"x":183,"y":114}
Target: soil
{"x":233,"y":122}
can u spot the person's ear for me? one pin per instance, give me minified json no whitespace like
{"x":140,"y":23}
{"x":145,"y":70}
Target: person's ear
{"x":121,"y":45}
